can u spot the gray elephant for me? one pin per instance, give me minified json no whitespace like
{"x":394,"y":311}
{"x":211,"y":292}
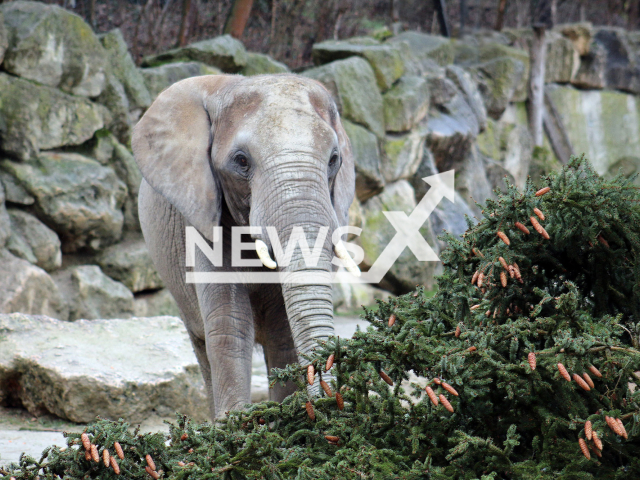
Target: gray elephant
{"x":225,"y":151}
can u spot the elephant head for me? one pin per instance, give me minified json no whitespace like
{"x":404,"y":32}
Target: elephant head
{"x":263,"y":151}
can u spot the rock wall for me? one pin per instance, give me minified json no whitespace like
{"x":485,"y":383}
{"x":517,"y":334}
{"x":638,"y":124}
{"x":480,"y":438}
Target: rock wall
{"x":413,"y":105}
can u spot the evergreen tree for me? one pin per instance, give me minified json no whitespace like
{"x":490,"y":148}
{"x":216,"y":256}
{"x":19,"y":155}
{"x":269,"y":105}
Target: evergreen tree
{"x":529,"y":348}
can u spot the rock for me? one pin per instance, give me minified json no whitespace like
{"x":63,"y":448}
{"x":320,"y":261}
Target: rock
{"x":591,"y":73}
{"x":385,"y":59}
{"x":406,"y":104}
{"x":258,"y":64}
{"x":5,"y":221}
{"x":125,"y":70}
{"x":442,"y":89}
{"x":579,"y":34}
{"x":127,"y":369}
{"x":126,"y":168}
{"x":351,"y":297}
{"x":497,"y":175}
{"x":465,"y":84}
{"x":605,"y":125}
{"x":114,"y":98}
{"x":15,"y":193}
{"x":353,"y":86}
{"x":129,"y":262}
{"x":562,"y":60}
{"x":155,"y":304}
{"x":28,"y":289}
{"x":224,"y":52}
{"x":472,"y":182}
{"x":76,"y":196}
{"x":158,"y":78}
{"x":34,"y":117}
{"x":91,"y":294}
{"x":447,"y":216}
{"x":406,"y":272}
{"x":4,"y":40}
{"x":501,"y":77}
{"x":53,"y":46}
{"x":402,"y":154}
{"x":366,"y":156}
{"x":42,"y":244}
{"x":426,"y":47}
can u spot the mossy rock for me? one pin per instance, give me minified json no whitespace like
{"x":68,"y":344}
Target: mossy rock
{"x":158,"y":78}
{"x":259,"y":64}
{"x":406,"y":104}
{"x":366,"y":156}
{"x":426,"y":47}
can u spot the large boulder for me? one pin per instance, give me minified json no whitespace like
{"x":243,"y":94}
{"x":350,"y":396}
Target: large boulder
{"x":127,"y":369}
{"x":259,"y":64}
{"x":425,"y":47}
{"x":472,"y":182}
{"x":53,"y":46}
{"x":605,"y":125}
{"x":4,"y":40}
{"x":465,"y":85}
{"x":91,"y":294}
{"x":76,"y":196}
{"x":33,"y":241}
{"x":14,"y":192}
{"x":406,"y":272}
{"x":352,"y":84}
{"x":129,"y":262}
{"x":366,"y":156}
{"x":155,"y":304}
{"x":28,"y":289}
{"x":124,"y":69}
{"x":224,"y":52}
{"x":580,"y":35}
{"x":158,"y":78}
{"x":34,"y":117}
{"x":406,"y":104}
{"x":385,"y":59}
{"x":115,"y":99}
{"x":127,"y":170}
{"x":562,"y":59}
{"x":402,"y":154}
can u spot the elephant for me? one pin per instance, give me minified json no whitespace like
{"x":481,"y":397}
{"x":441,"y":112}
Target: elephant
{"x":231,"y":151}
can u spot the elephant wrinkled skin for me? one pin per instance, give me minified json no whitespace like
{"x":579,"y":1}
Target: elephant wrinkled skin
{"x":224,"y":150}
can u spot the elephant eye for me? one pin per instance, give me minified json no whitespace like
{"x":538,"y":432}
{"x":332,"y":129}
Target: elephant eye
{"x":333,"y":161}
{"x":241,"y":160}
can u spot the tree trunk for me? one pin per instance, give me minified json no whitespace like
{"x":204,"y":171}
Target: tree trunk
{"x":238,"y":17}
{"x":92,"y":13}
{"x":502,"y":6}
{"x":441,"y":11}
{"x":536,"y":85}
{"x":184,"y":23}
{"x":463,"y":16}
{"x":554,"y":12}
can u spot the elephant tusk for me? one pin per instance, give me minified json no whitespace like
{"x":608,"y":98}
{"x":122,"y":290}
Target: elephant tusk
{"x":263,"y":253}
{"x":347,"y":261}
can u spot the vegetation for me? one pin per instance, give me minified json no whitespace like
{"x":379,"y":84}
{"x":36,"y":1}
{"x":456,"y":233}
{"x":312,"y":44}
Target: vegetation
{"x":529,"y":348}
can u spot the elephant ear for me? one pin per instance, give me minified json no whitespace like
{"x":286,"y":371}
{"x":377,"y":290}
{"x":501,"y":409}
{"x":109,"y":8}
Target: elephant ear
{"x":345,"y":184}
{"x":172,"y":147}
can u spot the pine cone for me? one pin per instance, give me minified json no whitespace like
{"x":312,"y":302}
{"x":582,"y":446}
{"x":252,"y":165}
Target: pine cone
{"x":114,"y":465}
{"x":311,"y":374}
{"x":94,"y":454}
{"x":624,"y":430}
{"x":339,"y":401}
{"x":503,"y":237}
{"x":581,"y":383}
{"x":471,"y":349}
{"x":539,"y":213}
{"x":603,"y":241}
{"x":597,"y":452}
{"x":155,"y":475}
{"x":474,"y":307}
{"x":563,"y":372}
{"x":329,"y":362}
{"x":516,"y":269}
{"x":331,"y":438}
{"x":386,"y":378}
{"x":512,"y":271}
{"x":392,"y":319}
{"x":457,"y":334}
{"x":522,"y":228}
{"x":150,"y":462}
{"x":477,"y":252}
{"x":595,"y":371}
{"x":504,"y":264}
{"x":437,"y":381}
{"x":614,"y":425}
{"x":480,"y":280}
{"x":474,"y":279}
{"x":538,"y":228}
{"x":583,"y":447}
{"x":587,"y":379}
{"x":503,"y":279}
{"x":532,"y":360}
{"x":327,"y":389}
{"x":310,"y":412}
{"x":445,"y":402}
{"x":118,"y":450}
{"x":184,"y":436}
{"x":596,"y":440}
{"x":449,"y":389}
{"x":105,"y":457}
{"x":588,"y":429}
{"x":86,"y":443}
{"x":542,"y":191}
{"x":87,"y":455}
{"x":432,"y":395}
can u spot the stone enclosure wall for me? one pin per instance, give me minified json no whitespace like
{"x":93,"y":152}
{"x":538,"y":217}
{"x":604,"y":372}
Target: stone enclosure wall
{"x":413,"y":105}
